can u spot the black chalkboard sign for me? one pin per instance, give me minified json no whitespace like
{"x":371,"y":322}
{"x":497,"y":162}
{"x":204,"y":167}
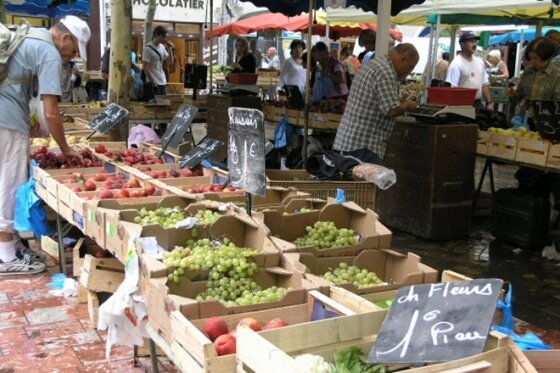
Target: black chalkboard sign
{"x":246,"y":154}
{"x":180,"y":124}
{"x":547,"y":115}
{"x":437,"y":322}
{"x":112,"y":115}
{"x":202,"y":151}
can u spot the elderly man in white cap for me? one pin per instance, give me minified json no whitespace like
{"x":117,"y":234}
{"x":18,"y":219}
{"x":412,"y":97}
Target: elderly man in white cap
{"x":34,"y":67}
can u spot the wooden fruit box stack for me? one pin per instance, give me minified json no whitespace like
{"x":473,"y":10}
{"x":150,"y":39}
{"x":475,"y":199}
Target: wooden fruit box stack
{"x":194,"y":352}
{"x":502,"y":146}
{"x":482,"y":142}
{"x":99,"y":275}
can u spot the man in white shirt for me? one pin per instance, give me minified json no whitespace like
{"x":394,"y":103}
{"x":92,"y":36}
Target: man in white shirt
{"x":468,"y":71}
{"x":156,"y":51}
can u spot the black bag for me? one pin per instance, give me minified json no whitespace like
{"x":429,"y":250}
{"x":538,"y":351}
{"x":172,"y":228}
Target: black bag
{"x":330,"y":165}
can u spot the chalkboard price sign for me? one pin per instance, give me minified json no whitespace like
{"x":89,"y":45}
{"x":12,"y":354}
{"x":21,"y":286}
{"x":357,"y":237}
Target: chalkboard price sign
{"x":202,"y":151}
{"x":246,"y":151}
{"x":112,"y":115}
{"x":547,"y":115}
{"x":437,"y":322}
{"x":180,"y":124}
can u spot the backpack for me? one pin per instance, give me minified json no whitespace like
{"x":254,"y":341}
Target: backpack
{"x":9,"y":44}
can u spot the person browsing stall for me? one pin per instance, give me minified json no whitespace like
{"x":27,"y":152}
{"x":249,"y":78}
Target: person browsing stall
{"x":330,"y":78}
{"x":40,"y":55}
{"x":294,"y":72}
{"x":155,"y":52}
{"x":244,"y":60}
{"x":469,"y":71}
{"x":374,"y":102}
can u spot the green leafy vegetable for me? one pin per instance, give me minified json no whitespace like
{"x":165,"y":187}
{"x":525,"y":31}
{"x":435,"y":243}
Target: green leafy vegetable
{"x":351,"y":360}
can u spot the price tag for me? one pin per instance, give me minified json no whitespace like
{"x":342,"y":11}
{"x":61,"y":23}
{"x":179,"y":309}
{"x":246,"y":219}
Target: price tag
{"x":108,"y":118}
{"x":179,"y":125}
{"x":437,"y":322}
{"x":246,"y":153}
{"x":202,"y":151}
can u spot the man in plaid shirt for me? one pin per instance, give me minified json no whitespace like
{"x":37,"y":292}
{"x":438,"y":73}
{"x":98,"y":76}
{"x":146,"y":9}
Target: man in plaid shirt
{"x":374,"y":102}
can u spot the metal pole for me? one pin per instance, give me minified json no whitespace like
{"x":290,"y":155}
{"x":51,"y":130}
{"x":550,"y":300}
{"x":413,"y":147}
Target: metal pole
{"x":518,"y":56}
{"x":307,"y":84}
{"x":383,"y":26}
{"x":61,"y":252}
{"x":211,"y":44}
{"x":435,"y":48}
{"x":452,"y":42}
{"x":430,"y":52}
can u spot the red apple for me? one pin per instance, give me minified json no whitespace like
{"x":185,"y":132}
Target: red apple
{"x":275,"y":323}
{"x":100,"y":148}
{"x":215,"y":327}
{"x":251,"y":323}
{"x":104,"y":193}
{"x":77,"y":189}
{"x":225,"y":345}
{"x":123,"y":193}
{"x":150,"y":189}
{"x":100,"y":176}
{"x":90,"y":185}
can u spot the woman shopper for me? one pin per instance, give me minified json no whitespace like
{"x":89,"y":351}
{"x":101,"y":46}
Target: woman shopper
{"x":293,"y":72}
{"x":245,"y":61}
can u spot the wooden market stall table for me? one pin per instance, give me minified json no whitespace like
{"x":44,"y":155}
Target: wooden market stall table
{"x":434,"y":164}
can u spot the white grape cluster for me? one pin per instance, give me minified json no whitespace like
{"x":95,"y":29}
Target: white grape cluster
{"x":325,"y":235}
{"x":167,"y":217}
{"x":345,"y":274}
{"x":206,"y":217}
{"x":231,"y":270}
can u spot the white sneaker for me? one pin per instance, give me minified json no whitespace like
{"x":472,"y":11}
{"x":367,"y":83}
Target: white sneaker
{"x":22,"y":265}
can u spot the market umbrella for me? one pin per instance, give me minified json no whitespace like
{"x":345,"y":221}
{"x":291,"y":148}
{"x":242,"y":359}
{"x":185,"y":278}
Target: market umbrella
{"x":515,"y":36}
{"x":268,"y":21}
{"x":278,"y":21}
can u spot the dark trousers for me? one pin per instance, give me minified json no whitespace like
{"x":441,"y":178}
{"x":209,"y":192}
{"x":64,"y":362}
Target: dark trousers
{"x":151,"y":90}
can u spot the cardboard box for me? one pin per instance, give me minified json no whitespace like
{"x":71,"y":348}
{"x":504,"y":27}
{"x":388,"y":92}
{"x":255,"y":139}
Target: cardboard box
{"x":373,"y":234}
{"x":104,"y":217}
{"x":295,"y":205}
{"x":101,"y":274}
{"x":194,"y":352}
{"x":84,"y":246}
{"x":241,"y":229}
{"x":162,"y":298}
{"x":395,"y":269}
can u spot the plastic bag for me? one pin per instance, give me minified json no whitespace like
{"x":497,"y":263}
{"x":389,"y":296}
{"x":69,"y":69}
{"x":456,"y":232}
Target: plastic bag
{"x":382,"y":177}
{"x":283,"y":134}
{"x":528,"y":341}
{"x":30,"y":213}
{"x":125,"y":314}
{"x":519,"y":122}
{"x":39,"y":127}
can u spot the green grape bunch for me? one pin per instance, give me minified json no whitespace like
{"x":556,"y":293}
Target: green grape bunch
{"x":325,"y":235}
{"x":206,"y":217}
{"x":167,"y":217}
{"x":345,"y":274}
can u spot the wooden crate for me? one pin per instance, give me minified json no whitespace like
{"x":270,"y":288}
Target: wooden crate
{"x":544,"y":361}
{"x":482,"y":142}
{"x":553,"y":159}
{"x":82,"y":294}
{"x":532,"y":151}
{"x":295,"y":117}
{"x":101,"y":274}
{"x":272,"y":350}
{"x":361,"y":192}
{"x":93,"y":307}
{"x":502,"y":146}
{"x":194,"y":352}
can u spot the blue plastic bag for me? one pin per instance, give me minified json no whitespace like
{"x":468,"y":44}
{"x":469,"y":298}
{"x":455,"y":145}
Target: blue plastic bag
{"x":528,"y":341}
{"x":30,"y":212}
{"x":340,"y":195}
{"x":283,"y":134}
{"x":519,"y":122}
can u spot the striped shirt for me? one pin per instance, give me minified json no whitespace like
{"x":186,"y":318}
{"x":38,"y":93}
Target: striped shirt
{"x":365,"y":122}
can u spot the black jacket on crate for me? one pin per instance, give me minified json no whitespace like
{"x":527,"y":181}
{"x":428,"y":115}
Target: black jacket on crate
{"x":327,"y":165}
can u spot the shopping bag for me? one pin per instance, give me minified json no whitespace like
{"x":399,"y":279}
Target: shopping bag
{"x":30,"y":212}
{"x":39,"y":127}
{"x":283,"y":134}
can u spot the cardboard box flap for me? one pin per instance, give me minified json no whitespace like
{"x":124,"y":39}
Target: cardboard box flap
{"x":278,"y":271}
{"x":299,"y":203}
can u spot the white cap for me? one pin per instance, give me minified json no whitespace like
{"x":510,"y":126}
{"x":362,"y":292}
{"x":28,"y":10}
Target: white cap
{"x":80,"y":29}
{"x":495,"y":53}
